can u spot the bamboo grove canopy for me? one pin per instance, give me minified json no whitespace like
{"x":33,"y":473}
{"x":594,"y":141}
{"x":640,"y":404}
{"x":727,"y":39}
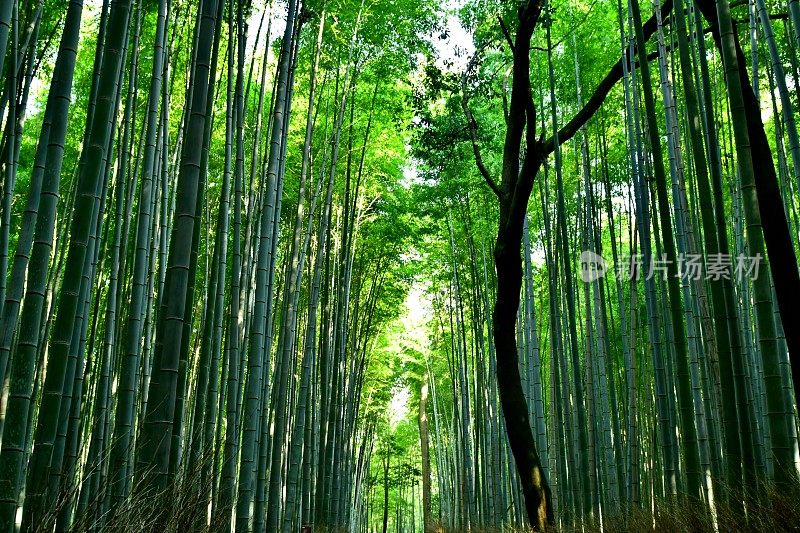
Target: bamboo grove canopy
{"x":399,"y":265}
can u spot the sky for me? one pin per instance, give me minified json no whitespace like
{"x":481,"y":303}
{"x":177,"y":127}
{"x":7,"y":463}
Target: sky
{"x":458,"y":39}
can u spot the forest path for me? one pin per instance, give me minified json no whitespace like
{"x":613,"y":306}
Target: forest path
{"x":407,"y":344}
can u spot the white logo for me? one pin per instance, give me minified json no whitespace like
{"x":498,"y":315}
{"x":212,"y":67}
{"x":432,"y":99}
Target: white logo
{"x":593,"y":267}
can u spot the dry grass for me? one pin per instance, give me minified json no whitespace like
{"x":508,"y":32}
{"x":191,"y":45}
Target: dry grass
{"x":770,"y":511}
{"x":183,"y":509}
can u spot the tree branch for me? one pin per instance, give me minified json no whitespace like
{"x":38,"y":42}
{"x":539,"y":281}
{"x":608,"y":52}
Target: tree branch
{"x":506,"y":34}
{"x":473,"y":136}
{"x":521,"y":104}
{"x":602,"y":90}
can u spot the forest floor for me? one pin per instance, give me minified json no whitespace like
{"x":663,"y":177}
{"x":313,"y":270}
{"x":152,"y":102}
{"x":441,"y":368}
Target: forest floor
{"x":770,"y":511}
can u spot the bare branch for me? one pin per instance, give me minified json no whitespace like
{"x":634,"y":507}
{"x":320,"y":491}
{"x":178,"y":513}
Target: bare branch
{"x":506,"y":33}
{"x":602,"y":90}
{"x":472,"y":125}
{"x":473,"y":136}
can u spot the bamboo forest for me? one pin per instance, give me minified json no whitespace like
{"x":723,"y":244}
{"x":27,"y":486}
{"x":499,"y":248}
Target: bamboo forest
{"x":395,"y":266}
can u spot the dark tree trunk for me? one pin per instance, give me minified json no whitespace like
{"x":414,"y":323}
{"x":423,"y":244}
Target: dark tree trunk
{"x":519,"y":172}
{"x":508,"y":262}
